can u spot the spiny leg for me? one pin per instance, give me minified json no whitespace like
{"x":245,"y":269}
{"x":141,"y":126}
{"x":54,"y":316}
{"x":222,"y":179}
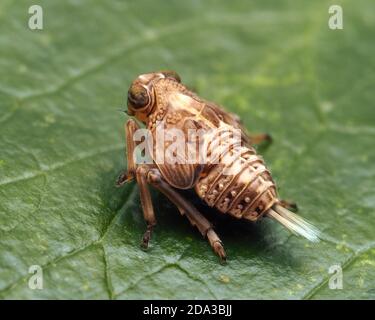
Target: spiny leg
{"x":205,"y":228}
{"x":130,"y":128}
{"x":140,"y":174}
{"x":186,"y":208}
{"x":146,"y":202}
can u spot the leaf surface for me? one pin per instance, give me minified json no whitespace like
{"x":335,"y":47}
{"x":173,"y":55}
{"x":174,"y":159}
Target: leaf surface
{"x":276,"y":64}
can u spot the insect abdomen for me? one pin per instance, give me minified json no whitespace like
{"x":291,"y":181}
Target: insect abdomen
{"x":248,"y":193}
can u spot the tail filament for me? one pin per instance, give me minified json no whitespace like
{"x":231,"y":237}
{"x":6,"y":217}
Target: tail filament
{"x":294,"y":223}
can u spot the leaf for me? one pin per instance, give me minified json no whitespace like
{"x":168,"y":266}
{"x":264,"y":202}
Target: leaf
{"x":276,"y":64}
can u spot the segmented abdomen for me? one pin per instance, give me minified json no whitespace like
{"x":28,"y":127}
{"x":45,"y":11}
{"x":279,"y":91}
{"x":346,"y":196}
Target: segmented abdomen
{"x":247,"y":193}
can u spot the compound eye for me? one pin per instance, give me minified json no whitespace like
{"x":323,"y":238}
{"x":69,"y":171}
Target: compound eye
{"x":138,"y":96}
{"x":171,"y":74}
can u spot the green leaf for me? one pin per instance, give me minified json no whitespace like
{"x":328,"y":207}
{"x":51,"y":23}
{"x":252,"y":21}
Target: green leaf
{"x":275,"y":63}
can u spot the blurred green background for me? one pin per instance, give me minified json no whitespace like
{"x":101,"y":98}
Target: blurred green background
{"x":275,"y":63}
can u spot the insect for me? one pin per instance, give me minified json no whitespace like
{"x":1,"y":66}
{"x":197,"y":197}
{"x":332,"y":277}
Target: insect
{"x":245,"y":192}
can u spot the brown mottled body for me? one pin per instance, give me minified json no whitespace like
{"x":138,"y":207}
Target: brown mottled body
{"x":246,"y":194}
{"x":247,"y":191}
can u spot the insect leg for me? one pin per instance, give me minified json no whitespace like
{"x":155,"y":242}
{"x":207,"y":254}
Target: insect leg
{"x":288,"y":205}
{"x":146,"y":202}
{"x":186,"y":208}
{"x":235,"y":121}
{"x":130,"y":128}
{"x":259,"y":138}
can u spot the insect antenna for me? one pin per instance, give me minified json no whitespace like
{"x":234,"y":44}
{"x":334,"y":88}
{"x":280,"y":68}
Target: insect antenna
{"x":294,"y":223}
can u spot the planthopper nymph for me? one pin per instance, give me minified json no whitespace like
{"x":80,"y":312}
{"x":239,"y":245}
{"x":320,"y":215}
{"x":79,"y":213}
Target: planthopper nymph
{"x":191,"y":143}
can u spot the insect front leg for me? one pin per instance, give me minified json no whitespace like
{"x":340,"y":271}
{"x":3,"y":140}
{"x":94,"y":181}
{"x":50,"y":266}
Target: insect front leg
{"x":186,"y":208}
{"x":138,"y":172}
{"x":130,"y":128}
{"x":146,"y":202}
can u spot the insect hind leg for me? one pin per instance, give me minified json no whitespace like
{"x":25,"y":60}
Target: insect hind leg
{"x":289,"y":205}
{"x":186,"y":208}
{"x":260,"y":138}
